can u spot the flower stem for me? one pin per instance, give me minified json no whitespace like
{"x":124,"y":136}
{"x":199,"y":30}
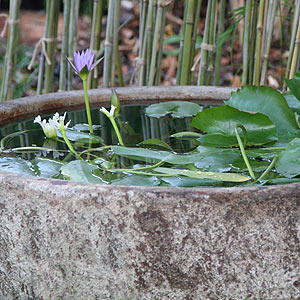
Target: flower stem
{"x":269,"y":168}
{"x":242,"y":148}
{"x":64,"y":135}
{"x":117,"y":131}
{"x":87,"y":105}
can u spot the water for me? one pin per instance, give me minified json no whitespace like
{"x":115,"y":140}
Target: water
{"x":135,"y":128}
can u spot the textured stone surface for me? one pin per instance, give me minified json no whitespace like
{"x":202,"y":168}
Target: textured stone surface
{"x":81,"y":241}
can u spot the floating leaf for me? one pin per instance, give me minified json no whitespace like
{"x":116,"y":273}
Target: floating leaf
{"x":85,"y":127}
{"x":186,"y":134}
{"x":181,"y":181}
{"x":157,"y":155}
{"x":103,"y":163}
{"x":294,"y":85}
{"x":217,"y":159}
{"x":79,"y":170}
{"x":283,"y":180}
{"x":288,"y":163}
{"x":220,"y":122}
{"x":47,"y":167}
{"x":82,"y":137}
{"x":262,"y":153}
{"x":231,"y":177}
{"x":137,"y":181}
{"x":16,"y":165}
{"x":155,"y":143}
{"x":267,"y":101}
{"x":177,"y":109}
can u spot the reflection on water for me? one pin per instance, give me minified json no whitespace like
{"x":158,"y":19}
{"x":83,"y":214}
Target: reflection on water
{"x":135,"y":127}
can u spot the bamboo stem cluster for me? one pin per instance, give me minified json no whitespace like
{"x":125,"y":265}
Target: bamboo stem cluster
{"x":258,"y":18}
{"x":8,"y":71}
{"x":152,"y":21}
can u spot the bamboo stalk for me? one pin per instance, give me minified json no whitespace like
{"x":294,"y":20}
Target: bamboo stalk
{"x":115,"y":45}
{"x":8,"y":68}
{"x":146,"y":41}
{"x":246,"y":41}
{"x":143,"y":12}
{"x":40,"y":83}
{"x":204,"y":52}
{"x":64,"y":49}
{"x":95,"y":37}
{"x":295,"y":54}
{"x":194,"y":39}
{"x":269,"y":29}
{"x":119,"y":69}
{"x":149,"y":40}
{"x":74,"y":12}
{"x":108,"y":44}
{"x":155,"y":41}
{"x":186,"y":57}
{"x":142,"y":34}
{"x":258,"y":43}
{"x":51,"y":36}
{"x":219,"y":46}
{"x":160,"y":51}
{"x":295,"y":28}
{"x":212,"y":38}
{"x":252,"y":43}
{"x":180,"y":56}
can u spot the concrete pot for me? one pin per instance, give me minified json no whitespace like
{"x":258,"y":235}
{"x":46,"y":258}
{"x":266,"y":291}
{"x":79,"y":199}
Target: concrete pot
{"x":75,"y":241}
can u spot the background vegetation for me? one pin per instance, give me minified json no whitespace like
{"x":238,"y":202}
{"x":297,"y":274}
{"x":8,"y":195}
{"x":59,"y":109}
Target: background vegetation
{"x":151,"y":42}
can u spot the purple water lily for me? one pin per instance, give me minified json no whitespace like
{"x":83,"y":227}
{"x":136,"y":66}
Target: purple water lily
{"x":83,"y":62}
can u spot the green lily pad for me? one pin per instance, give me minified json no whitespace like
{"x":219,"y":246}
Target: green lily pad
{"x":177,"y":109}
{"x":136,"y":180}
{"x":155,"y":143}
{"x":288,"y":163}
{"x":216,"y":159}
{"x":181,"y":181}
{"x":230,"y":177}
{"x":16,"y":165}
{"x":150,"y":155}
{"x":220,"y":122}
{"x":47,"y":167}
{"x":294,"y":85}
{"x":81,"y":171}
{"x":82,"y":137}
{"x":269,"y":102}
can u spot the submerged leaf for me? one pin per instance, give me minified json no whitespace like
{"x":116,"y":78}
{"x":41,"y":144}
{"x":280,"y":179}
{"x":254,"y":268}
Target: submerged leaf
{"x":177,"y":109}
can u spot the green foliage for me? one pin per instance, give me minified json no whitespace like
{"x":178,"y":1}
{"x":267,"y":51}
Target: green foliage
{"x":288,"y":163}
{"x":78,"y":170}
{"x":219,"y":123}
{"x":267,"y":101}
{"x":177,"y":109}
{"x":294,"y":85}
{"x":244,"y":136}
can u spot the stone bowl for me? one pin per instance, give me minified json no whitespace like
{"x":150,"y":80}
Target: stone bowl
{"x":78,"y":241}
